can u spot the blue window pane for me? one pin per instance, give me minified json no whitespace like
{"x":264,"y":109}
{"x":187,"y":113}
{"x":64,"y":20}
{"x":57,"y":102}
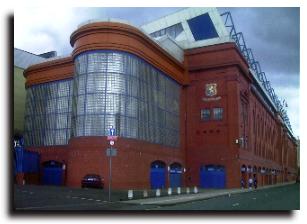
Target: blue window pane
{"x":202,"y":27}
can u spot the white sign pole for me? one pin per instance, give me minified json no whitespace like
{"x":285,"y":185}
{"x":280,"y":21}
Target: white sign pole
{"x":110,"y":175}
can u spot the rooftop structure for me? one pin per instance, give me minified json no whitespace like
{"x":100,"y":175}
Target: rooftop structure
{"x":198,"y":27}
{"x":24,"y":59}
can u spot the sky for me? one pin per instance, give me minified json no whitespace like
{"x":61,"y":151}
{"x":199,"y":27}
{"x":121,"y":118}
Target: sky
{"x":272,"y":33}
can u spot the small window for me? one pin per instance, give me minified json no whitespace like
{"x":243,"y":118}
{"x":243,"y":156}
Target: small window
{"x":205,"y":114}
{"x":217,"y":113}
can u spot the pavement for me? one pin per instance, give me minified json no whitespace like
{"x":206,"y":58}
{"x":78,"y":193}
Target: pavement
{"x":183,"y":198}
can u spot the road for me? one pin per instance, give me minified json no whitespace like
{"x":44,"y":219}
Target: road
{"x":34,"y":198}
{"x":281,"y":198}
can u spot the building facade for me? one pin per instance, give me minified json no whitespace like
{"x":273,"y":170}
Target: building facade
{"x":182,"y":97}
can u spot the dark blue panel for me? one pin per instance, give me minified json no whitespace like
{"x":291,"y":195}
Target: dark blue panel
{"x":52,"y":176}
{"x":205,"y":178}
{"x":212,"y":177}
{"x":19,"y":158}
{"x":175,"y":179}
{"x":30,"y":162}
{"x":157,"y":178}
{"x":26,"y":161}
{"x":202,"y":27}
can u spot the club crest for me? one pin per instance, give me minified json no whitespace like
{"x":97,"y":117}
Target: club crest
{"x":211,"y":89}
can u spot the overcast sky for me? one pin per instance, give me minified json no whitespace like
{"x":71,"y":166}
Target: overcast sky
{"x":272,"y":33}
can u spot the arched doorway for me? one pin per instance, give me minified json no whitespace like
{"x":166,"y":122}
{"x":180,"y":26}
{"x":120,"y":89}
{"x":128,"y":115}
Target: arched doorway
{"x":249,"y":171}
{"x":285,"y":175}
{"x":175,"y":175}
{"x":266,"y":181}
{"x":243,"y":176}
{"x":274,"y":173}
{"x":259,"y":176}
{"x":263,"y":176}
{"x":270,"y":176}
{"x":157,"y":174}
{"x":52,"y":173}
{"x":255,"y":176}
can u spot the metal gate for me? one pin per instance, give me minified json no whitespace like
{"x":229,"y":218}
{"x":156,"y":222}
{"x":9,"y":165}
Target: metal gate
{"x":52,"y":173}
{"x":157,"y":175}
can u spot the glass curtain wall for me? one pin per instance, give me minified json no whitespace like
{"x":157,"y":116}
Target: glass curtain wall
{"x":118,"y":89}
{"x":48,"y":113}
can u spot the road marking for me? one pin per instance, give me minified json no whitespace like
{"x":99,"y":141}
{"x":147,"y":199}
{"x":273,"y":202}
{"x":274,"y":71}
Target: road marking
{"x":90,"y":199}
{"x":235,"y":204}
{"x":166,"y":200}
{"x":98,"y":200}
{"x":149,"y":209}
{"x":52,"y":207}
{"x":74,"y":197}
{"x":83,"y":198}
{"x":254,"y":198}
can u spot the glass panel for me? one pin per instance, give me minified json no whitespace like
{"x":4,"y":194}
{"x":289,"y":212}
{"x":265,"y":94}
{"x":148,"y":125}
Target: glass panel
{"x":217,"y":113}
{"x":127,"y":93}
{"x":172,"y":31}
{"x":47,"y":111}
{"x":205,"y":114}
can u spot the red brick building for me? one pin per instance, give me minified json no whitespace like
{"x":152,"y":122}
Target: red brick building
{"x":186,"y":114}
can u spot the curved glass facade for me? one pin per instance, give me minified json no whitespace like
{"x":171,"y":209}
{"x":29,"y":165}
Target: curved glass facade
{"x":48,"y":113}
{"x":109,"y":88}
{"x":118,"y":89}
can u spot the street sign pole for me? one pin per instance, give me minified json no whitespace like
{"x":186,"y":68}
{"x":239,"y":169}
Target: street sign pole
{"x":111,"y":152}
{"x":110,"y":175}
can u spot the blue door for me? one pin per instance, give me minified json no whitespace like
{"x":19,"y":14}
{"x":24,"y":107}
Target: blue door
{"x":52,"y":173}
{"x":157,"y":175}
{"x":157,"y":178}
{"x":212,"y":176}
{"x":221,"y":177}
{"x":175,"y":178}
{"x":175,"y":175}
{"x":204,"y":178}
{"x":207,"y":176}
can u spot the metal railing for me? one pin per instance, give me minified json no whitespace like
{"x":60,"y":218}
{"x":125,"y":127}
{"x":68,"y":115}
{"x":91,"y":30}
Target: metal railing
{"x":256,"y":68}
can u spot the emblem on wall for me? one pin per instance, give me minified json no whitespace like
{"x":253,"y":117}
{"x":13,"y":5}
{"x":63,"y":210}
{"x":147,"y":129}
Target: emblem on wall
{"x":211,"y":89}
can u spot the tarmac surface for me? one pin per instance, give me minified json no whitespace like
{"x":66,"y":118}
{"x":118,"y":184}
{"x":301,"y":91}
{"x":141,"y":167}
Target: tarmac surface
{"x":59,"y":199}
